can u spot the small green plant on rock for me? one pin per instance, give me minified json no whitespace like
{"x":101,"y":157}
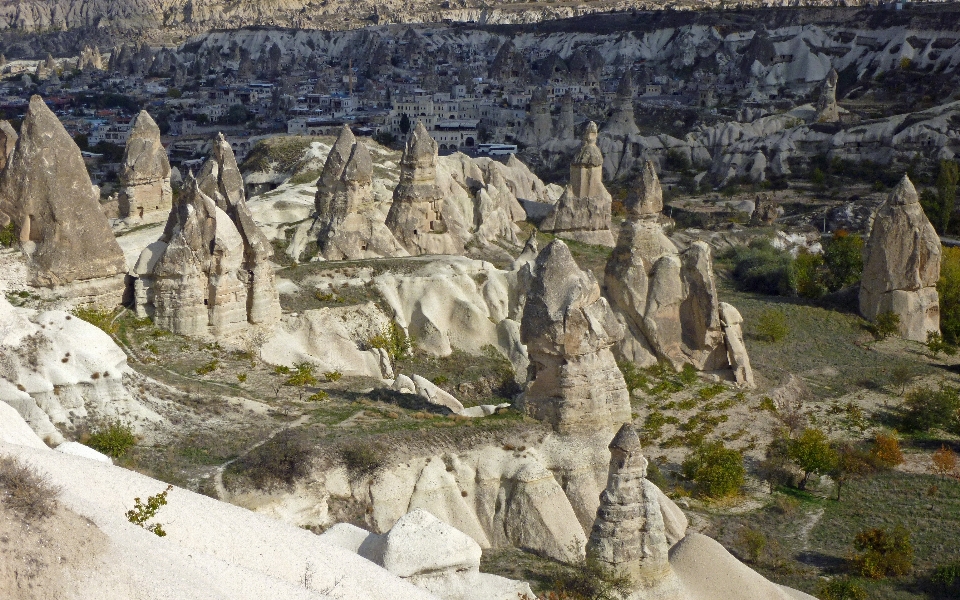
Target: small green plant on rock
{"x":208,"y":368}
{"x":394,"y":340}
{"x":98,"y":317}
{"x":141,"y":513}
{"x":333,"y":376}
{"x":318,"y":397}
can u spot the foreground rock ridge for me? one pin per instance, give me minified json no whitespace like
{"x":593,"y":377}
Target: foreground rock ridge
{"x":668,"y":299}
{"x":901,"y":265}
{"x":569,"y":330}
{"x":145,"y":191}
{"x":46,"y":193}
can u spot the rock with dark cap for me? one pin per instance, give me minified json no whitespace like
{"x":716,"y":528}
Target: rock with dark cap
{"x":145,"y":192}
{"x":46,"y":191}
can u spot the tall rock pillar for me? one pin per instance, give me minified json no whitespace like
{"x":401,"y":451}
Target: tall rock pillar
{"x":901,"y":265}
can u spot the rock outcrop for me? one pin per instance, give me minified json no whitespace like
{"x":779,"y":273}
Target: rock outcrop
{"x":46,"y":192}
{"x":629,"y":535}
{"x":901,"y":265}
{"x":350,"y":224}
{"x":418,"y":216}
{"x":145,"y":192}
{"x":827,"y":109}
{"x":569,"y":329}
{"x":583,"y":211}
{"x":667,"y":299}
{"x":58,"y":371}
{"x":8,"y":142}
{"x":622,"y":122}
{"x":539,"y":127}
{"x":210,"y":273}
{"x":432,"y":555}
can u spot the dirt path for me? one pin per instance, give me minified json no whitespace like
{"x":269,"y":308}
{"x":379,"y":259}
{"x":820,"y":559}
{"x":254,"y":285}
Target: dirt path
{"x":803,"y":535}
{"x":222,"y":493}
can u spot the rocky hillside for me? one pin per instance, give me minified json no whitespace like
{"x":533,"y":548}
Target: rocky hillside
{"x":197,"y":15}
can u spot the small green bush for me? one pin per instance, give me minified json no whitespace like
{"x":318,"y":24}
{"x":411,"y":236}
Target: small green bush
{"x":762,"y":268}
{"x":633,"y":377}
{"x":9,"y":236}
{"x":113,"y":440}
{"x":208,"y":368}
{"x":716,"y":470}
{"x":936,"y":344}
{"x":886,"y":324}
{"x":242,"y":377}
{"x":926,"y":408}
{"x":841,"y":589}
{"x":688,"y":375}
{"x":772,"y":325}
{"x":590,"y":579}
{"x":812,"y":453}
{"x":947,"y":575}
{"x":320,"y":396}
{"x":302,"y":375}
{"x":883,"y":553}
{"x":752,"y":543}
{"x":361,"y":458}
{"x":394,"y":340}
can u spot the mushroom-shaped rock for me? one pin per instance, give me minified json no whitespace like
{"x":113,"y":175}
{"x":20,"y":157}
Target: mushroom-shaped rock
{"x":629,"y":534}
{"x":583,"y":211}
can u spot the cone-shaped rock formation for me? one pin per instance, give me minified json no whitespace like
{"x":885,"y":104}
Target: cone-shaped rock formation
{"x":145,"y":192}
{"x":568,"y":328}
{"x":901,"y":265}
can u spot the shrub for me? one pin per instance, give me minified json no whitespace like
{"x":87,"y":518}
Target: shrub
{"x":113,"y":440}
{"x":281,"y":370}
{"x":394,"y":340}
{"x":101,"y":318}
{"x":809,"y":268}
{"x":841,"y":589}
{"x":944,"y":461}
{"x":886,"y":450}
{"x":936,"y":344}
{"x":590,"y":580}
{"x":141,"y":513}
{"x":843,"y":260}
{"x":26,"y":491}
{"x":772,"y":325}
{"x":688,"y":374}
{"x":926,"y":408}
{"x":886,"y":324}
{"x":333,"y":375}
{"x":762,"y":268}
{"x":319,"y":396}
{"x":361,"y":458}
{"x":883,"y":553}
{"x":302,"y":376}
{"x":9,"y":236}
{"x":282,"y":460}
{"x":242,"y":377}
{"x":208,"y":368}
{"x":812,"y":453}
{"x":752,"y":542}
{"x":948,"y":291}
{"x":717,"y":471}
{"x":633,"y":377}
{"x":947,"y":575}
